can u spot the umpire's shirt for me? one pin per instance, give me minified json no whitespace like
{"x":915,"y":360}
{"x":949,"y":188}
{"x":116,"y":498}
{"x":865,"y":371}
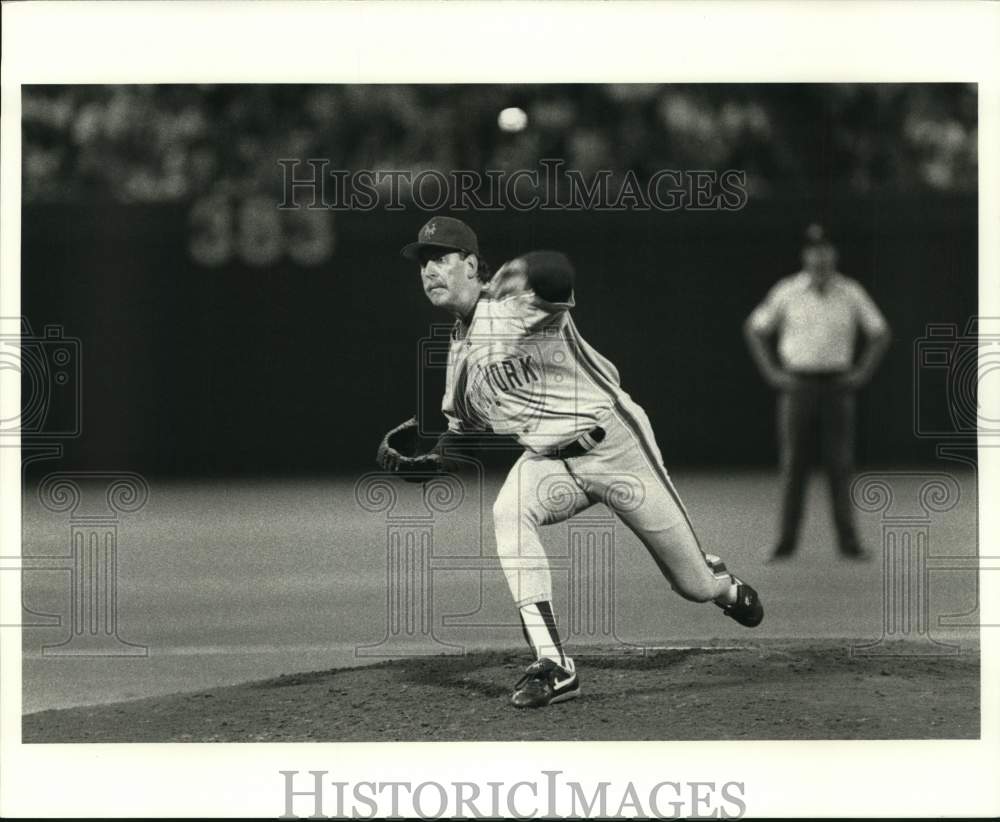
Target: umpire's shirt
{"x":817,"y":329}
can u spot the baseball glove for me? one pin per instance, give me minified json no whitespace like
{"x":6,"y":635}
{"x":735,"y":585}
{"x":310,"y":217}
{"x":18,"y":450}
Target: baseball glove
{"x":397,"y":452}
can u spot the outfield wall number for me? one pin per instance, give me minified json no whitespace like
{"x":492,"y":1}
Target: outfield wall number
{"x":256,"y":232}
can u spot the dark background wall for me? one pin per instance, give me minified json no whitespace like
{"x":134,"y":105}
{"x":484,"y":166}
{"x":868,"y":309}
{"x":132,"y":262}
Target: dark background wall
{"x":287,"y":368}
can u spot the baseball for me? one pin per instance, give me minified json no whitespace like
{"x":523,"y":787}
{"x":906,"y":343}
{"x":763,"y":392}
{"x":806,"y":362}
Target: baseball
{"x":512,"y":120}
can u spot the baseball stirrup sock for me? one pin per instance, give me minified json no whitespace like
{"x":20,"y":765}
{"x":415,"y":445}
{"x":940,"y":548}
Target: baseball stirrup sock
{"x":718,"y":568}
{"x":539,"y":626}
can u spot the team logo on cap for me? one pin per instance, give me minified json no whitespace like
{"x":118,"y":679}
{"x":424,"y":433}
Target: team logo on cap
{"x":431,"y":229}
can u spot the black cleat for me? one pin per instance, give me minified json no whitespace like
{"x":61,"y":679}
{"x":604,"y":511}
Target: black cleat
{"x":544,"y":683}
{"x":747,"y":609}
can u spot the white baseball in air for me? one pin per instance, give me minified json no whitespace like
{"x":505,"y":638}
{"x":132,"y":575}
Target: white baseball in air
{"x":512,"y":119}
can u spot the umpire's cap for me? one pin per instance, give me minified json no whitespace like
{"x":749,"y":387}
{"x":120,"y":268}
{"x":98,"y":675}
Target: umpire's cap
{"x":445,"y":233}
{"x":816,"y":236}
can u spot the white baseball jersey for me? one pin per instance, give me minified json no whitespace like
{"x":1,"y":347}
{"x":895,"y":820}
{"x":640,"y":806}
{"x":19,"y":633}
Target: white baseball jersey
{"x":520,"y":367}
{"x":817,"y":329}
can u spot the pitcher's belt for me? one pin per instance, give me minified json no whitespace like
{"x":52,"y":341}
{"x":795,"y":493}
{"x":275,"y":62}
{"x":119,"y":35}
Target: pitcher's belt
{"x":583,"y":444}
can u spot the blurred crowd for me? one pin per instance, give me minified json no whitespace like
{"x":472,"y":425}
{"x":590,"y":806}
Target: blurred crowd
{"x":143,"y":143}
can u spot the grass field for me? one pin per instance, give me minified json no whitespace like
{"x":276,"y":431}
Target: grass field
{"x":225,"y":583}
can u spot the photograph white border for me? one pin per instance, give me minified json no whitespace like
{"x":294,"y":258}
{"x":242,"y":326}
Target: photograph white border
{"x":434,"y":42}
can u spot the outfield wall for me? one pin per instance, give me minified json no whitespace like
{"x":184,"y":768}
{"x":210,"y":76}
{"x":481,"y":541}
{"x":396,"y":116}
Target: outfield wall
{"x":228,"y":337}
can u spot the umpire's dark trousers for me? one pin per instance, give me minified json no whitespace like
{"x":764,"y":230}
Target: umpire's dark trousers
{"x":817,"y":406}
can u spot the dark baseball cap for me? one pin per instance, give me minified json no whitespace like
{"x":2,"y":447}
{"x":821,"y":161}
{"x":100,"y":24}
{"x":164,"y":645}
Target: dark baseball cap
{"x":816,"y":236}
{"x":445,"y":233}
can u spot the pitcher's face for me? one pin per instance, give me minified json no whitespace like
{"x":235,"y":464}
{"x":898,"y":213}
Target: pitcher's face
{"x":450,"y":280}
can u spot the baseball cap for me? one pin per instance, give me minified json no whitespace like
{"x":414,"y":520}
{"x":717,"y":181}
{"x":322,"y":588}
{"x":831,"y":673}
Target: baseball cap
{"x":443,"y":232}
{"x":816,"y":236}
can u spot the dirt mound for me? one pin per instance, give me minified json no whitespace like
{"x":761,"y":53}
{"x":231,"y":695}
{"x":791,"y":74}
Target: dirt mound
{"x":767,"y":690}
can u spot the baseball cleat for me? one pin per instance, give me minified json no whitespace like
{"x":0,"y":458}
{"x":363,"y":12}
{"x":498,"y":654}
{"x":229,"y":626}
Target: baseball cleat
{"x":747,"y":609}
{"x":544,"y":683}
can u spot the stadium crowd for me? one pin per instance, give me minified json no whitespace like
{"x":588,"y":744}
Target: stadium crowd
{"x":160,"y":143}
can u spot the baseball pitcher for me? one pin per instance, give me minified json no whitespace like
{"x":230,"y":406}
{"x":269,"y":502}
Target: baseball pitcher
{"x":518,"y":365}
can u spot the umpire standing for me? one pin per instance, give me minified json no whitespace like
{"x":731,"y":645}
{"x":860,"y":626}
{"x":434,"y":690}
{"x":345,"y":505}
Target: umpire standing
{"x":816,"y":315}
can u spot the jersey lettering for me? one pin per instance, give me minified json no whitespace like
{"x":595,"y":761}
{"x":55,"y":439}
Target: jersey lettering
{"x":530,"y":375}
{"x":497,"y":382}
{"x":511,"y":374}
{"x":503,"y":376}
{"x":521,"y":368}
